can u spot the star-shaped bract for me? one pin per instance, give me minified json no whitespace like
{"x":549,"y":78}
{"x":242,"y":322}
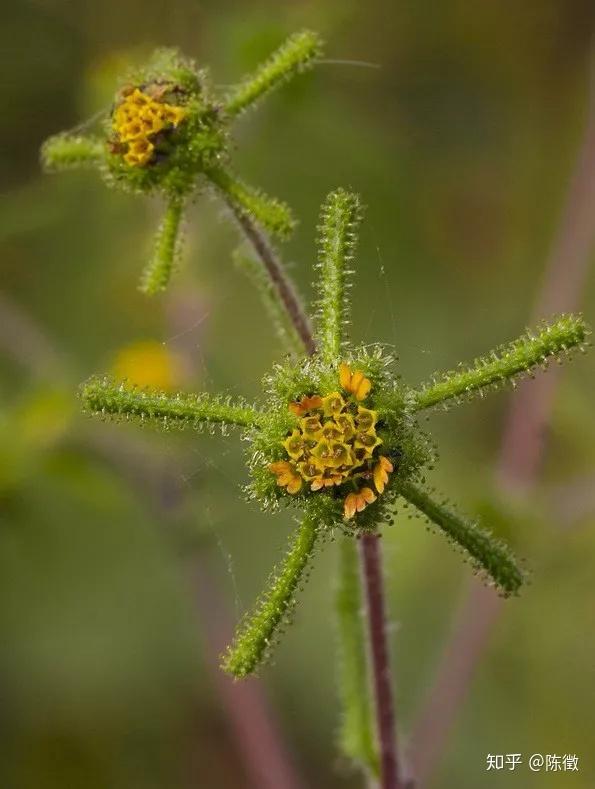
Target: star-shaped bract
{"x":169,"y":132}
{"x":324,"y":408}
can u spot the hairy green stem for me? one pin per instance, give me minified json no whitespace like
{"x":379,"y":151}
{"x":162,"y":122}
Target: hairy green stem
{"x":104,"y":397}
{"x":157,"y":274}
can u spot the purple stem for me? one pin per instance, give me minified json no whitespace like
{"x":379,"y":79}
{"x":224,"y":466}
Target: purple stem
{"x":371,"y":565}
{"x":284,"y":286}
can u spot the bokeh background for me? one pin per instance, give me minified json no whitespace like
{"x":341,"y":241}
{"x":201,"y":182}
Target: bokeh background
{"x":119,"y":581}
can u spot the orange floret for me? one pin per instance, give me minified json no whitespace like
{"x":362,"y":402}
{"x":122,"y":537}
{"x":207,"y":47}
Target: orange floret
{"x":287,"y":477}
{"x":355,"y":383}
{"x":356,"y":502}
{"x":381,"y":471}
{"x":306,"y":404}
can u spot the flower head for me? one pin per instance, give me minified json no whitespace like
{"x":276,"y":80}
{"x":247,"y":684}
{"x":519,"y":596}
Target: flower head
{"x":142,"y":120}
{"x":334,"y":446}
{"x":169,"y":132}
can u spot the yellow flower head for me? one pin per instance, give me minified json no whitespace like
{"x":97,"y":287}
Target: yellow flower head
{"x":311,"y":426}
{"x":332,"y":454}
{"x":334,"y":443}
{"x":345,"y":423}
{"x":368,"y":441}
{"x":311,"y":469}
{"x":365,"y":419}
{"x":331,"y":431}
{"x":137,"y":121}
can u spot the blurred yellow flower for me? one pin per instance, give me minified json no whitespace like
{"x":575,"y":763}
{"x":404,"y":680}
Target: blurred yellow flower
{"x":149,"y":363}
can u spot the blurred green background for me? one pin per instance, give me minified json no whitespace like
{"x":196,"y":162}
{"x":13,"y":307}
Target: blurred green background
{"x":461,"y":137}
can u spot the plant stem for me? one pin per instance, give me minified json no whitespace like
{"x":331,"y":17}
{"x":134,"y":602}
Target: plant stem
{"x":281,"y":281}
{"x":370,"y":553}
{"x":371,"y":566}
